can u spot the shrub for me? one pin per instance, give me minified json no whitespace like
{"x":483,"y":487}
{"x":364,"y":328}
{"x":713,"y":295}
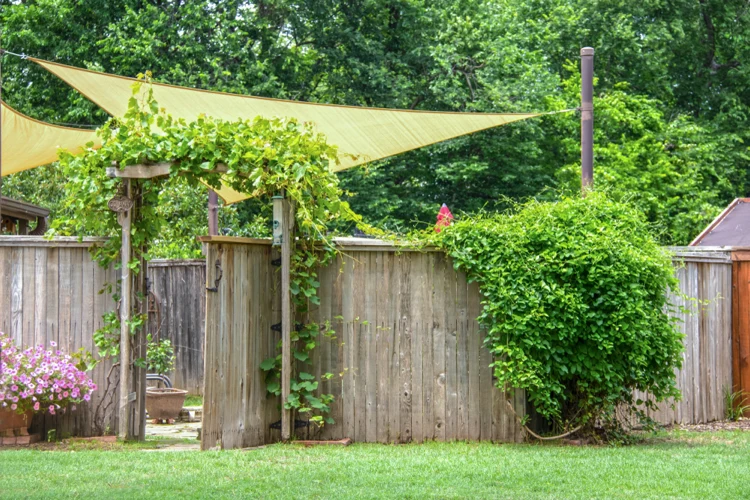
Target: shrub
{"x":40,"y":379}
{"x":575,"y":305}
{"x":160,"y":356}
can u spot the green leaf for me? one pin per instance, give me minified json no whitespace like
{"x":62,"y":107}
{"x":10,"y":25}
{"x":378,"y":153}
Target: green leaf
{"x":268,"y":364}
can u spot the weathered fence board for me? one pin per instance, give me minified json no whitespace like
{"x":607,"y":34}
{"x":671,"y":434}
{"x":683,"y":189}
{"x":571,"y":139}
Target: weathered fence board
{"x":407,"y":358}
{"x":706,"y":296}
{"x":49,"y":291}
{"x":429,"y":299}
{"x":177,"y":312}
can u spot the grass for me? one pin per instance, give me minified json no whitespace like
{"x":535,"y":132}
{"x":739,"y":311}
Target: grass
{"x":193,"y":401}
{"x":674,"y":465}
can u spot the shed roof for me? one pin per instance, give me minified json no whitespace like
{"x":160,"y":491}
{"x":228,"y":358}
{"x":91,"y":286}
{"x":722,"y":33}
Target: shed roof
{"x":20,"y":209}
{"x":730,"y":229}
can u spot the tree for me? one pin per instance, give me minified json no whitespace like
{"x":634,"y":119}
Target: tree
{"x":684,"y":56}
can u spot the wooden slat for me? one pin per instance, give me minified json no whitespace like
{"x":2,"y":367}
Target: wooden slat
{"x":28,"y":296}
{"x":474,"y":345}
{"x":440,"y":271}
{"x":6,"y":292}
{"x":394,"y":337}
{"x":417,"y":277}
{"x":462,"y":358}
{"x":40,"y":295}
{"x":370,"y":272}
{"x":382,"y":333}
{"x":360,"y":349}
{"x":451,"y":374}
{"x":16,"y":307}
{"x":349,"y":349}
{"x":405,"y":355}
{"x":694,"y":377}
{"x":426,"y":326}
{"x":335,"y":360}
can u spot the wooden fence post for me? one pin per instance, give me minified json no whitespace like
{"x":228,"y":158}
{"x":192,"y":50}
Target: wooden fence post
{"x":213,"y":213}
{"x":125,"y":415}
{"x":287,"y":318}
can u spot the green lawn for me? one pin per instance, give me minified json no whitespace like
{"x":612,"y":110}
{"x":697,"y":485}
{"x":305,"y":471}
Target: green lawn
{"x":193,"y":401}
{"x":675,"y":465}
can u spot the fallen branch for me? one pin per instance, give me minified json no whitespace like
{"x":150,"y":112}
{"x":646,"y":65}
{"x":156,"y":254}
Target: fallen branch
{"x":534,"y":434}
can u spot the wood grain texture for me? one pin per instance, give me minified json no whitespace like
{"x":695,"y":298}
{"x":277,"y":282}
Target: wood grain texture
{"x":48,"y":293}
{"x":178,"y":314}
{"x":409,"y":362}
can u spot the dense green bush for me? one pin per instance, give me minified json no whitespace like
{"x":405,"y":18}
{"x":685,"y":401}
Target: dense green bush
{"x":575,"y":304}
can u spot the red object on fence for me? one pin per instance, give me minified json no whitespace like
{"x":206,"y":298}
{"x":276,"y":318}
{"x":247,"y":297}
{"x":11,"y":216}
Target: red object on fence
{"x":444,"y":218}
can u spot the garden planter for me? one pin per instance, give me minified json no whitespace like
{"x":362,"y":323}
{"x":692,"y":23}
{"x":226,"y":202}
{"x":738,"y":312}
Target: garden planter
{"x":14,"y":424}
{"x":164,"y":404}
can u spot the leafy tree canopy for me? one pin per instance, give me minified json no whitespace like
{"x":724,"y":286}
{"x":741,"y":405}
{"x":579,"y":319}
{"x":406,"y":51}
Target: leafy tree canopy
{"x":672,"y":89}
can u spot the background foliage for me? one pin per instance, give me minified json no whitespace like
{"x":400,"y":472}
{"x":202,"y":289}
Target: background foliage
{"x":575,"y":304}
{"x":672,"y":93}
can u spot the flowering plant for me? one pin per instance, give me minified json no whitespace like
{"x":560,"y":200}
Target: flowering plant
{"x":40,"y":379}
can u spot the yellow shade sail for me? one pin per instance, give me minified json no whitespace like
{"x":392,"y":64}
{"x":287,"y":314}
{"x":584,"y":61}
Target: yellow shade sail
{"x":367,"y":134}
{"x":29,"y":143}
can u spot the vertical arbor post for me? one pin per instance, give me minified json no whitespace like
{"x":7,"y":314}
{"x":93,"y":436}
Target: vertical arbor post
{"x":213,"y":213}
{"x":126,"y":416}
{"x":1,"y":134}
{"x":287,"y":320}
{"x":587,"y":119}
{"x":132,"y":407}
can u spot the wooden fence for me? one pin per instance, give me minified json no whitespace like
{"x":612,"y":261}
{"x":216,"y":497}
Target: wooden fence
{"x":706,"y":297}
{"x":177,"y":311}
{"x":407,"y":359}
{"x":410,"y":350}
{"x":49,"y":291}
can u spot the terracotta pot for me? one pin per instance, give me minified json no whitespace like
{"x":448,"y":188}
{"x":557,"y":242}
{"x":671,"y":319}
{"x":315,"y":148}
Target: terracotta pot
{"x":164,"y":404}
{"x":12,"y":423}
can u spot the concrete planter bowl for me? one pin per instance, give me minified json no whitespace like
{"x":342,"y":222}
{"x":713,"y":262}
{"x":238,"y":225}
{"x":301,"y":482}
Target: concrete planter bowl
{"x":164,"y":404}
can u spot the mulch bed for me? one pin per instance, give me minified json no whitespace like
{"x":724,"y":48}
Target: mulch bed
{"x":740,"y":425}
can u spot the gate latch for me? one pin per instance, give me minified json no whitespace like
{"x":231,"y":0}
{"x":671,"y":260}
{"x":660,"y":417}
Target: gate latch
{"x":219,"y":274}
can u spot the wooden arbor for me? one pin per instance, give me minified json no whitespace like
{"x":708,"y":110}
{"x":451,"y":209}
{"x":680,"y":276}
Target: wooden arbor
{"x":132,"y":393}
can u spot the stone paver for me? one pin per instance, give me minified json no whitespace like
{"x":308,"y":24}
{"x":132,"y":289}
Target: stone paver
{"x":178,"y":430}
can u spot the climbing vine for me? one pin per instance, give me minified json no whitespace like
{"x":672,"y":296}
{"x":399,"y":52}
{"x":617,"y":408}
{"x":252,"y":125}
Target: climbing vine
{"x":262,"y":157}
{"x":575,"y":307}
